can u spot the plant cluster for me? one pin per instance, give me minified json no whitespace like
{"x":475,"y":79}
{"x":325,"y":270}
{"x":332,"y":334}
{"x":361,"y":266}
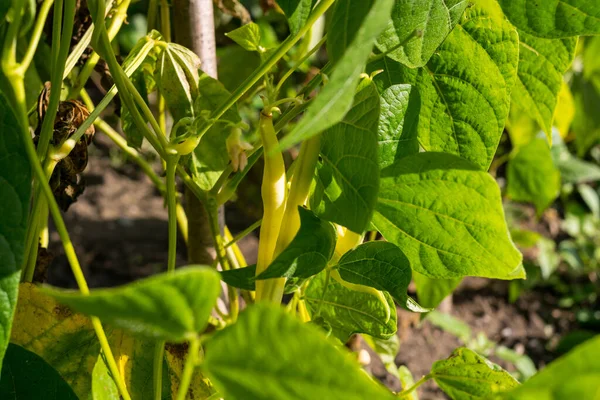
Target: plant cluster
{"x":397,"y":141}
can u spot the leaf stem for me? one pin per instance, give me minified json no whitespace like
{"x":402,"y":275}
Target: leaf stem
{"x":157,"y":368}
{"x":172,"y":211}
{"x":299,"y":63}
{"x":35,"y":35}
{"x":411,"y":389}
{"x":188,"y":369}
{"x":243,"y":233}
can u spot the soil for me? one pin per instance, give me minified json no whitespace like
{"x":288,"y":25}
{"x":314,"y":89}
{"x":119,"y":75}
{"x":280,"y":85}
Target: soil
{"x":119,"y":229}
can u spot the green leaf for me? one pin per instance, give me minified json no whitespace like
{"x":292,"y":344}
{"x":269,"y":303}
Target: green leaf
{"x":451,"y":324}
{"x":247,"y":36}
{"x":25,"y":375}
{"x":447,"y":218}
{"x":542,"y":63}
{"x":532,"y":175}
{"x":466,"y":375}
{"x":309,"y":251}
{"x":232,"y":72}
{"x":211,"y":158}
{"x":383,"y":266}
{"x":418,"y":28}
{"x":297,"y":12}
{"x":465,"y":87}
{"x":347,"y":311}
{"x":586,"y":123}
{"x":15,"y":189}
{"x":364,"y":20}
{"x":554,"y":18}
{"x":431,"y":291}
{"x":572,"y":376}
{"x":398,"y":121}
{"x":348,"y":175}
{"x":103,"y":385}
{"x":268,"y":354}
{"x":65,"y":340}
{"x":147,"y":307}
{"x":573,"y":169}
{"x":241,"y":278}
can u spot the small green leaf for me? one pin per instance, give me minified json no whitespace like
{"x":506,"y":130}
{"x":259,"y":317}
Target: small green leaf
{"x":554,"y":18}
{"x":147,"y":307}
{"x":241,"y":278}
{"x":542,"y":63}
{"x":431,"y":291}
{"x":364,"y":20}
{"x":447,"y":219}
{"x":418,"y":28}
{"x":297,"y":12}
{"x":103,"y":385}
{"x":347,"y":311}
{"x":465,"y":375}
{"x":348,"y":175}
{"x":268,"y":354}
{"x":465,"y":87}
{"x":573,"y":169}
{"x":572,"y":376}
{"x":15,"y":189}
{"x":247,"y":36}
{"x":398,"y":121}
{"x":451,"y":324}
{"x":383,"y":266}
{"x":532,"y":175}
{"x":309,"y":251}
{"x":26,"y":376}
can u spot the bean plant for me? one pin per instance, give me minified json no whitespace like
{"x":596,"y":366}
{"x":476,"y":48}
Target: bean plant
{"x":394,"y":135}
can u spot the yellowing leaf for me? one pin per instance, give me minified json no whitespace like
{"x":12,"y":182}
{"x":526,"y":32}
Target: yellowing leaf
{"x":200,"y":387}
{"x":565,"y":110}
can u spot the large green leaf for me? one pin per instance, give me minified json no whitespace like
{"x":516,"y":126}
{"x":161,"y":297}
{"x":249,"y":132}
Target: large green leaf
{"x":268,"y":354}
{"x":297,"y":12}
{"x":542,"y":63}
{"x":447,"y":218}
{"x":554,"y":18}
{"x":431,"y":291}
{"x":532,"y":175}
{"x":417,"y":28}
{"x":348,"y":176}
{"x":309,"y":251}
{"x":380,"y":265}
{"x":170,"y":306}
{"x":362,"y":21}
{"x":465,"y":87}
{"x":398,"y":121}
{"x":465,"y":375}
{"x":15,"y":189}
{"x":573,"y":376}
{"x":345,"y":311}
{"x":25,"y":376}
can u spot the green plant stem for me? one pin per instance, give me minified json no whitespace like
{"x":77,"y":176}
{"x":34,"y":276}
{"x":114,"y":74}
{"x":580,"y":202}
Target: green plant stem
{"x":244,"y":233}
{"x":299,"y":63}
{"x":411,"y":389}
{"x":188,"y":369}
{"x":157,"y":368}
{"x":36,"y":35}
{"x":152,"y":13}
{"x":165,"y":20}
{"x":61,"y":41}
{"x":172,"y":212}
{"x":116,"y":22}
{"x":266,"y":66}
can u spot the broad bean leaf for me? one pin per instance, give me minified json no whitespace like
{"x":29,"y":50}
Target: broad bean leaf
{"x":383,"y":266}
{"x":296,"y":12}
{"x":309,"y":251}
{"x":64,"y":339}
{"x":348,"y":175}
{"x":268,"y":354}
{"x":573,"y":376}
{"x":362,"y":21}
{"x":398,"y":121}
{"x":346,"y":311}
{"x":466,"y":375}
{"x":542,"y":63}
{"x":25,"y":375}
{"x":146,"y":307}
{"x":15,"y":190}
{"x":447,"y":219}
{"x":465,"y":87}
{"x":211,"y":158}
{"x":431,"y":291}
{"x":103,"y":385}
{"x":532,"y":175}
{"x":554,"y":18}
{"x":247,"y":36}
{"x":417,"y":28}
